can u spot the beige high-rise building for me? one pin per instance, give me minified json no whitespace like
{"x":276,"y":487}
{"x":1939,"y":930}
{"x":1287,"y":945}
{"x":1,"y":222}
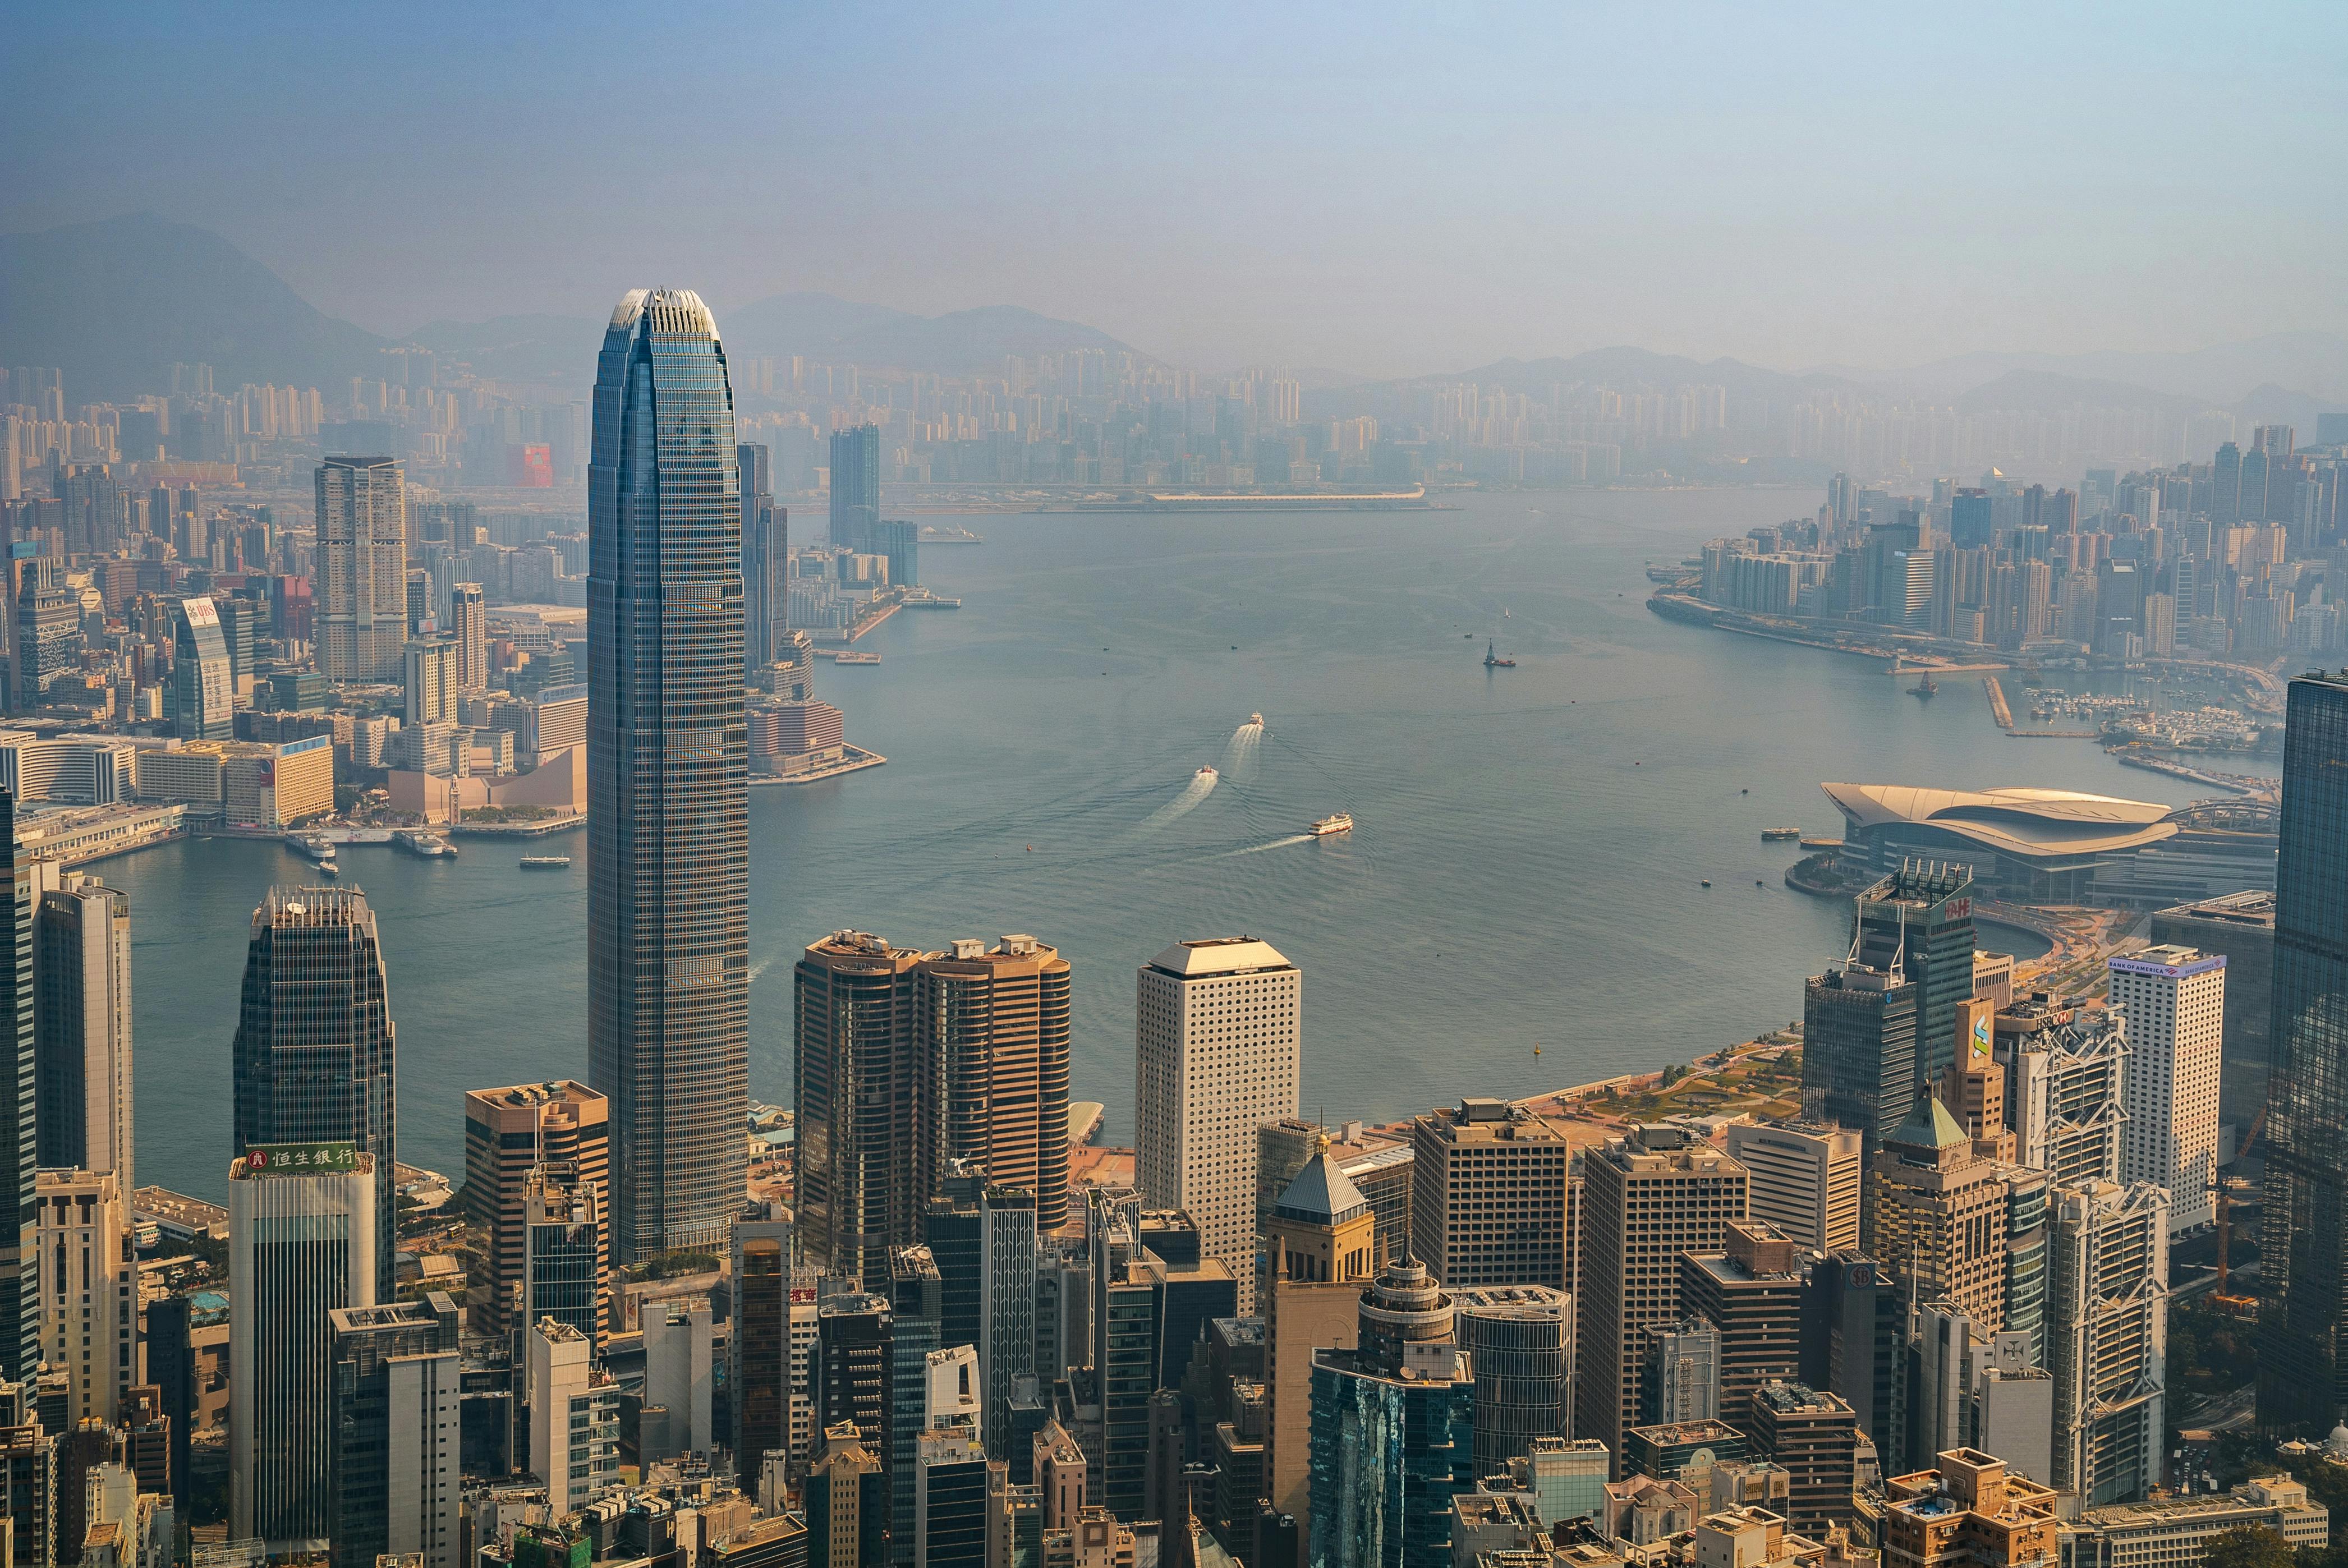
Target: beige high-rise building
{"x":362,"y":580}
{"x":430,"y":666}
{"x":2173,"y":999}
{"x":1646,"y":1198}
{"x":468,"y":623}
{"x":1807,"y":1179}
{"x":89,"y":1291}
{"x":1215,"y":1036}
{"x":1321,"y":1251}
{"x":993,"y":1032}
{"x":1940,"y":1222}
{"x":1489,"y":1195}
{"x":508,"y":1133}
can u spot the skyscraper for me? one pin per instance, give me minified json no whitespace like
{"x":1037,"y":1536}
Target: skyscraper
{"x":82,"y":1063}
{"x":1919,"y":920}
{"x":396,"y":1416}
{"x":2107,"y":1337}
{"x":1216,"y":1053}
{"x":362,"y":611}
{"x":1647,"y":1198}
{"x":302,"y":1241}
{"x":2175,"y":1002}
{"x":856,"y":1104}
{"x":765,"y":560}
{"x":993,"y":1036}
{"x":667,"y":758}
{"x":204,"y":704}
{"x":468,"y":623}
{"x":1858,"y":1048}
{"x":510,"y":1133}
{"x":1487,"y":1194}
{"x":855,"y":487}
{"x":48,"y":630}
{"x":315,"y":1053}
{"x":20,"y":1307}
{"x":2304,"y":1254}
{"x":89,"y":1289}
{"x":1807,"y":1180}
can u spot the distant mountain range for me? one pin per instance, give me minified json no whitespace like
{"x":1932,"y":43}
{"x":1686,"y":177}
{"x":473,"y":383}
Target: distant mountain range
{"x":116,"y":303}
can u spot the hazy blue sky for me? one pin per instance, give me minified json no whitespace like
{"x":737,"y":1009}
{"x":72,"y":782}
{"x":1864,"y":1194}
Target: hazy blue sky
{"x":1374,"y":189}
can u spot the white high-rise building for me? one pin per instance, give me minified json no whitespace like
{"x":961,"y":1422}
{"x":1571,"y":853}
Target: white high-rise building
{"x":574,"y":1417}
{"x":1216,"y":1057}
{"x":2175,"y":1002}
{"x":2107,"y":1337}
{"x":1806,"y":1180}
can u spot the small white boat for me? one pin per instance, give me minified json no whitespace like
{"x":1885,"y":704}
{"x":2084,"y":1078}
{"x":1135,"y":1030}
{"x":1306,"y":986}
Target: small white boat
{"x":1341,"y":823}
{"x":1256,"y":719}
{"x":1206,"y":773}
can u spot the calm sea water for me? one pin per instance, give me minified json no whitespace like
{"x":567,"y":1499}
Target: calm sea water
{"x":1525,"y":871}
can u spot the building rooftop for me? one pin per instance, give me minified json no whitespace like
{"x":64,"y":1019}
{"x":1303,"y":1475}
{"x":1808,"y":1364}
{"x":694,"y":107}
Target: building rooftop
{"x":1322,"y":1195}
{"x":2027,"y":823}
{"x":1929,"y":1125}
{"x":1219,"y":955}
{"x":2254,"y":908}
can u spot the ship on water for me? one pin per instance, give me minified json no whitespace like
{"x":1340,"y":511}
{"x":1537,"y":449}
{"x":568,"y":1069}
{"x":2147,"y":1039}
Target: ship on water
{"x":1928,"y":688}
{"x":1781,"y":832}
{"x":1209,"y":774}
{"x":1340,"y":822}
{"x":1492,"y":660}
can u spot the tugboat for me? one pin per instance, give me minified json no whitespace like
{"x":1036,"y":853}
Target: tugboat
{"x":1492,"y":661}
{"x":1928,"y":688}
{"x":1341,"y":823}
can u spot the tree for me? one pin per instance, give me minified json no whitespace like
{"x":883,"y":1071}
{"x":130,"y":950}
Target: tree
{"x":2248,"y":1546}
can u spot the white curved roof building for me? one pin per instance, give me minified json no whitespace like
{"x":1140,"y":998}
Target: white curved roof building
{"x":2041,"y":845}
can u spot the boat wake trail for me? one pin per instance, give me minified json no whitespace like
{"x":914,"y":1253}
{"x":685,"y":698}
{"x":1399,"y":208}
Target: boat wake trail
{"x":1182,"y":805}
{"x":1241,"y":751}
{"x":1275,"y":844}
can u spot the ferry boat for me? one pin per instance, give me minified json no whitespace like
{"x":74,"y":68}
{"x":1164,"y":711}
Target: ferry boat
{"x":422,"y":842}
{"x":1256,"y":719}
{"x":1341,"y":823}
{"x":1773,"y":833}
{"x":1209,"y":774}
{"x":1492,"y":660}
{"x":546,"y":862}
{"x":852,"y":658}
{"x":319,"y":848}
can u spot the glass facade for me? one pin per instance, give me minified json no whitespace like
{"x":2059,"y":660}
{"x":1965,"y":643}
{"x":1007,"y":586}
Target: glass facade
{"x":2303,"y":1262}
{"x":1387,"y":1456}
{"x":667,"y":760}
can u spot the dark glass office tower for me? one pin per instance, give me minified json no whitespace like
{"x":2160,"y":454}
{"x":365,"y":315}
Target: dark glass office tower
{"x":2302,"y":1266}
{"x":668,"y":959}
{"x":203,"y":679}
{"x":20,"y":1296}
{"x":315,"y":1050}
{"x":1919,"y":920}
{"x":765,"y":560}
{"x":1858,"y":1049}
{"x":856,"y":487}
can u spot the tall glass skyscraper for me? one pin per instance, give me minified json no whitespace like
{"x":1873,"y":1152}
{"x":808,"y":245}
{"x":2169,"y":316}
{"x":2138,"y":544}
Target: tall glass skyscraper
{"x":2303,"y":1247}
{"x":667,"y":761}
{"x":855,"y":487}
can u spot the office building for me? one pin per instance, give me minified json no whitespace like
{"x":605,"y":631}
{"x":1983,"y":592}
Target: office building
{"x":760,"y":1373}
{"x":1920,"y":921}
{"x":1806,"y":1179}
{"x":574,"y":1417}
{"x":1950,"y":1353}
{"x":2152,"y":1534}
{"x":469,"y":627}
{"x":20,"y":1305}
{"x":1680,"y":1451}
{"x":855,"y":487}
{"x":81,"y":1064}
{"x":89,"y":1284}
{"x":1680,"y":1379}
{"x":430,"y":667}
{"x":362,"y":579}
{"x":1518,"y":1342}
{"x":510,"y":1133}
{"x":1815,"y":1438}
{"x":302,"y":1242}
{"x":1006,"y":1305}
{"x":28,"y":1475}
{"x":1969,"y":1508}
{"x":2107,"y":1337}
{"x":668,"y":967}
{"x":1393,"y":1430}
{"x":855,"y":1371}
{"x":2304,"y":1255}
{"x":765,"y":560}
{"x":396,"y":1422}
{"x":1320,"y":1249}
{"x":1378,"y":1162}
{"x":994,"y":1058}
{"x":951,"y":1526}
{"x":315,"y":1055}
{"x":1751,"y":1289}
{"x":2064,"y":1077}
{"x":680,"y":1379}
{"x":2239,"y":927}
{"x":1489,"y":1195}
{"x":846,"y":1502}
{"x":1858,"y":1048}
{"x":913,"y":1337}
{"x":1647,"y":1197}
{"x":858,"y":1104}
{"x":1940,"y":1211}
{"x":2174,"y":1003}
{"x":1216,"y":1049}
{"x":563,"y":1274}
{"x":49,"y":631}
{"x":203,"y":689}
{"x":1855,"y":1343}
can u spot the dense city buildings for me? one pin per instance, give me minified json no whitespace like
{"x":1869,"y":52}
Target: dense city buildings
{"x":2174,"y":1001}
{"x":1968,"y":1507}
{"x":1489,"y":1193}
{"x":668,"y":896}
{"x":1216,"y":1057}
{"x":362,"y":615}
{"x":2303,"y":1252}
{"x":315,"y":1056}
{"x":510,"y":1134}
{"x":1647,"y":1197}
{"x":1752,"y":1292}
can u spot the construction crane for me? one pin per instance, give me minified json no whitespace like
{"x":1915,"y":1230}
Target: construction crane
{"x":2220,"y":1185}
